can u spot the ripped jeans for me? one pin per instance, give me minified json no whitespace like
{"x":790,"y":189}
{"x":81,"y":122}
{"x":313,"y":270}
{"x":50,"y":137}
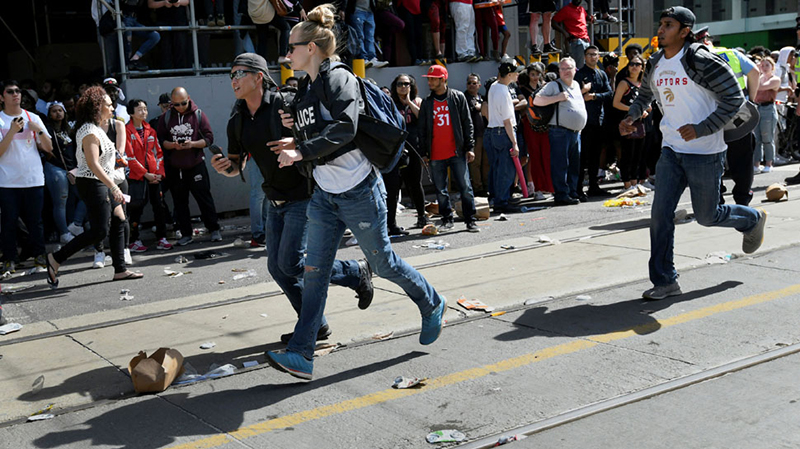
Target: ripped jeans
{"x":362,"y":209}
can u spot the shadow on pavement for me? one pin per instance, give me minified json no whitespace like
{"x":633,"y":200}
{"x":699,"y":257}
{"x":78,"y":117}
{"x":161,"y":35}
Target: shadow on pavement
{"x":161,"y":420}
{"x":590,"y":320}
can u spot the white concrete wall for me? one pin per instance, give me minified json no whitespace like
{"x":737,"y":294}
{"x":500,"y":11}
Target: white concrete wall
{"x":213,"y":95}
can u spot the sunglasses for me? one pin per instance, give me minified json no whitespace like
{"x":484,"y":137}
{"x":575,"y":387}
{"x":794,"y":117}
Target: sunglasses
{"x":182,"y":103}
{"x":239,"y":74}
{"x":290,"y":47}
{"x":636,"y":64}
{"x":472,"y":83}
{"x":13,"y":91}
{"x":403,"y":84}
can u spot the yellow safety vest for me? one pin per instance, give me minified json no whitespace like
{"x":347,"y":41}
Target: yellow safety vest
{"x":797,"y":70}
{"x":730,"y":57}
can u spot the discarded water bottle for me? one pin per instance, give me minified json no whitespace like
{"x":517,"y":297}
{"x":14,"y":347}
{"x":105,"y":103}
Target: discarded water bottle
{"x":245,"y":275}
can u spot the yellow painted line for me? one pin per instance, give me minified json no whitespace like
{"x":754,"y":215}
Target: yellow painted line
{"x":478,"y":372}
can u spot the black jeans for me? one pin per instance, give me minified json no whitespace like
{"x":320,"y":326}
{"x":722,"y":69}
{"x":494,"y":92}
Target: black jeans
{"x":97,"y":198}
{"x":591,"y":146}
{"x":26,"y":203}
{"x":142,"y":192}
{"x":262,"y":29}
{"x":413,"y":30}
{"x":632,"y":166}
{"x":740,"y":169}
{"x":411,"y":175}
{"x":195,"y":181}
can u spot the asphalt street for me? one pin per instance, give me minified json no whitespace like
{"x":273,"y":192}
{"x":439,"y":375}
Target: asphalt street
{"x":571,"y":330}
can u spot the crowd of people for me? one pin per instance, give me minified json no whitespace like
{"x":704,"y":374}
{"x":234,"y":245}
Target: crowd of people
{"x":94,"y":157}
{"x":370,"y":29}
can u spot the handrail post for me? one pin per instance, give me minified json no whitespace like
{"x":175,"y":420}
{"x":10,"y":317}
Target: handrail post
{"x":193,"y":22}
{"x":120,"y":38}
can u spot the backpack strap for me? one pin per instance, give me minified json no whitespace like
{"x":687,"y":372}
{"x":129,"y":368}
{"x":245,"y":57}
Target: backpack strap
{"x":560,"y":89}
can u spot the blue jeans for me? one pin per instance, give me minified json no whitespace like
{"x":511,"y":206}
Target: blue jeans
{"x":286,"y":248}
{"x":241,"y":42}
{"x":565,"y":162}
{"x":258,"y":202}
{"x":702,"y":174}
{"x":458,"y":166}
{"x":67,"y":205}
{"x":576,"y":49}
{"x":364,"y":24}
{"x":26,"y":203}
{"x":363,"y":210}
{"x":501,"y":166}
{"x":765,"y":135}
{"x":151,"y":38}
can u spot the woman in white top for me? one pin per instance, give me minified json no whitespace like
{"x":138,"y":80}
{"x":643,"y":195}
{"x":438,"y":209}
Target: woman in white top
{"x":349,"y":192}
{"x":96,"y":155}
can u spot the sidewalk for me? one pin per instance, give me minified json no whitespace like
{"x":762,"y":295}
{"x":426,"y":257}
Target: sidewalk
{"x":84,"y":367}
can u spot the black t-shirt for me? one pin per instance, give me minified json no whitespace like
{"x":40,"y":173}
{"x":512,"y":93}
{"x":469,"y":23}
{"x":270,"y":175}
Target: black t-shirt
{"x":280,"y":184}
{"x":478,"y":123}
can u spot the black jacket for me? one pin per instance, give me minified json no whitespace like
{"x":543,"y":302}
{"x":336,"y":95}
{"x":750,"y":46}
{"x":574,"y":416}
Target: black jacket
{"x":248,"y":135}
{"x":320,"y":138}
{"x":459,"y":118}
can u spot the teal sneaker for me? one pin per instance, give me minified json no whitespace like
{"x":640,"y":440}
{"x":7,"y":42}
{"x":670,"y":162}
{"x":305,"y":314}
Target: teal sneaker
{"x":292,"y":363}
{"x":432,"y":324}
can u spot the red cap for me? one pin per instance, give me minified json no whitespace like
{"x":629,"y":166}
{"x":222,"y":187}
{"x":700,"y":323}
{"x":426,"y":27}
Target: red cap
{"x":436,"y":71}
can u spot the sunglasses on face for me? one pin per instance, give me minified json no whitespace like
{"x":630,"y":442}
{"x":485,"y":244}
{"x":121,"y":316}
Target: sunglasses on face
{"x":290,"y":47}
{"x":636,"y":64}
{"x":239,"y":74}
{"x":13,"y":91}
{"x":472,"y":83}
{"x":182,"y":103}
{"x":403,"y":84}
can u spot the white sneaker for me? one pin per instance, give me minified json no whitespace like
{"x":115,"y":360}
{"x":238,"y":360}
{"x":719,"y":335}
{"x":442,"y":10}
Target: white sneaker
{"x":766,"y":169}
{"x":66,"y":238}
{"x":368,"y":63}
{"x":378,"y":64}
{"x":647,"y":185}
{"x":756,"y":170}
{"x":99,"y":260}
{"x":284,"y":60}
{"x":127,"y":257}
{"x":75,"y":229}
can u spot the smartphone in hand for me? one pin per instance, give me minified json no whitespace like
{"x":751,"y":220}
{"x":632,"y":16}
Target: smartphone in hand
{"x":215,"y":149}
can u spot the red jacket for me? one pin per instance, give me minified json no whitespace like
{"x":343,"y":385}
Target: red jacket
{"x":143,"y":153}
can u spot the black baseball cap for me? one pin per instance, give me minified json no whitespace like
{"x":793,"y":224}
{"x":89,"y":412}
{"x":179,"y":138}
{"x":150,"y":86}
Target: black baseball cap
{"x":684,"y":16}
{"x":252,"y":61}
{"x":510,"y":66}
{"x":164,"y":99}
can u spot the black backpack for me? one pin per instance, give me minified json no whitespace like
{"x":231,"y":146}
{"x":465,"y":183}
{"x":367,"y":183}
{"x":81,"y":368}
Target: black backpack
{"x":539,"y":116}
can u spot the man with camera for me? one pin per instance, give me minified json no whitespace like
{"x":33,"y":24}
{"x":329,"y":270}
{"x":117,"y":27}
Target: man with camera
{"x":21,"y":176}
{"x":184,"y":131}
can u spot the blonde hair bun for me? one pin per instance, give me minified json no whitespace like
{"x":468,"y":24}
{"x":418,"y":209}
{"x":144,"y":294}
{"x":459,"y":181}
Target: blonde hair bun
{"x":323,"y":15}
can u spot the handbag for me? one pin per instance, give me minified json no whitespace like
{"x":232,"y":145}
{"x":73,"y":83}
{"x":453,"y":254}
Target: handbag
{"x":282,"y":7}
{"x":107,"y":24}
{"x":639,"y":133}
{"x":260,"y":11}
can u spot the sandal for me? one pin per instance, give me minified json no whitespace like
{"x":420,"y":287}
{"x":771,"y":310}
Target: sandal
{"x":130,"y":275}
{"x":52,"y":274}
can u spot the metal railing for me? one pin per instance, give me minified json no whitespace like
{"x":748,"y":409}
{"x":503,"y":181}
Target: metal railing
{"x":193,"y":27}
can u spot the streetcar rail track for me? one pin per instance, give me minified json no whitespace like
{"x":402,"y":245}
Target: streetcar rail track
{"x":637,"y":396}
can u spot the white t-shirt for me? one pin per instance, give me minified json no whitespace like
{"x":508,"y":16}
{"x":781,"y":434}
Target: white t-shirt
{"x":344,"y":172}
{"x":501,"y":106}
{"x":121,"y":113}
{"x":684,"y":102}
{"x":21,"y":164}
